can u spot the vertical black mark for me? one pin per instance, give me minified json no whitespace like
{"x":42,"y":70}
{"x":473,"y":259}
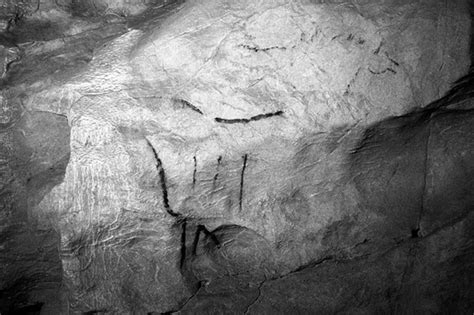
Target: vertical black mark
{"x":242,"y":181}
{"x":196,"y":240}
{"x":210,"y":234}
{"x":183,"y":243}
{"x":179,"y":217}
{"x":201,"y":228}
{"x":161,"y":174}
{"x":195,"y":170}
{"x":219,"y":159}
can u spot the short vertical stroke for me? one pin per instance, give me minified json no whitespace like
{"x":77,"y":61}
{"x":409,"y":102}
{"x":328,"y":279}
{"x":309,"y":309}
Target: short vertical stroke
{"x":180,"y":219}
{"x":183,"y":242}
{"x":214,"y":181}
{"x":242,"y":175}
{"x":195,"y":171}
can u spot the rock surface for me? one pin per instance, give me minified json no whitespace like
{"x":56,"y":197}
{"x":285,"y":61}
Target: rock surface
{"x":241,"y":157}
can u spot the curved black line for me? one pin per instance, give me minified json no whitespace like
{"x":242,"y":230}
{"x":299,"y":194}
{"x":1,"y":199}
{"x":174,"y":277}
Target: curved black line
{"x":180,"y":219}
{"x":164,"y":189}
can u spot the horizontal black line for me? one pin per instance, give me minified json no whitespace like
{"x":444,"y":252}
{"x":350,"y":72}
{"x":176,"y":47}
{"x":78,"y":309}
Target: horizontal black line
{"x":247,"y":120}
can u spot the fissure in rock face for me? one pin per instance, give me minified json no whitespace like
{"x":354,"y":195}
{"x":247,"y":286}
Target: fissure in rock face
{"x":241,"y":157}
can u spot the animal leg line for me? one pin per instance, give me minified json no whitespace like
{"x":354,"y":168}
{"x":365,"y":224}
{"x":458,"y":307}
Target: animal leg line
{"x":162,"y":175}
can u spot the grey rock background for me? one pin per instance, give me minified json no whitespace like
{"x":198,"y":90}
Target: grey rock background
{"x":236,"y":156}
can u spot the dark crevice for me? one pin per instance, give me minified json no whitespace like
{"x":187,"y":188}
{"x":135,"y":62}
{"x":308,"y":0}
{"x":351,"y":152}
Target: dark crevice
{"x":186,"y":302}
{"x":425,"y":177}
{"x":415,"y":233}
{"x":247,"y":120}
{"x":301,"y":268}
{"x":304,"y":267}
{"x":244,"y":166}
{"x":448,"y":225}
{"x":313,"y":264}
{"x":259,"y":288}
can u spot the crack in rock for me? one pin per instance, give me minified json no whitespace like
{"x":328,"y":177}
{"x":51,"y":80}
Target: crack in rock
{"x":425,"y":175}
{"x":259,"y":289}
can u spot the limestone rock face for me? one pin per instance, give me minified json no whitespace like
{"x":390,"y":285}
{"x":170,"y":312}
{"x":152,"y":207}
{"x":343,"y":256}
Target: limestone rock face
{"x":323,"y":65}
{"x":34,"y":155}
{"x":227,"y":154}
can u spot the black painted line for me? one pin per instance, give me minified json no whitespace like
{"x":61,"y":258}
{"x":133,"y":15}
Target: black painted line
{"x":189,"y":105}
{"x":161,"y":174}
{"x":214,"y":181}
{"x":195,"y":171}
{"x":247,"y":120}
{"x":244,"y":166}
{"x":183,"y":243}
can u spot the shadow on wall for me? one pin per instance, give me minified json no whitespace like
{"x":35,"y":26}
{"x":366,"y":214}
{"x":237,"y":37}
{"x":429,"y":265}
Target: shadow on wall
{"x":416,"y":173}
{"x":104,"y":7}
{"x":35,"y":149}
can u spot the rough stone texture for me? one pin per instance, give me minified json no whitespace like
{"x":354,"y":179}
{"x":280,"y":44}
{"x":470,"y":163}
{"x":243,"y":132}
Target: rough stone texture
{"x":34,"y":155}
{"x":241,"y":156}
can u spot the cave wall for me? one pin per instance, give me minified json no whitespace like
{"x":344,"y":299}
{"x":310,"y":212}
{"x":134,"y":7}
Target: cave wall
{"x":226,"y":154}
{"x":34,"y":155}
